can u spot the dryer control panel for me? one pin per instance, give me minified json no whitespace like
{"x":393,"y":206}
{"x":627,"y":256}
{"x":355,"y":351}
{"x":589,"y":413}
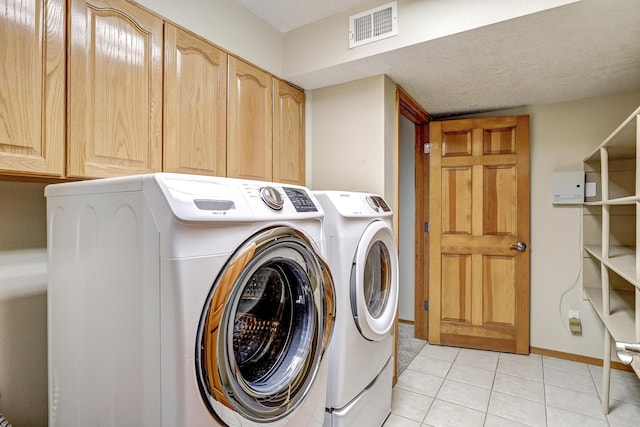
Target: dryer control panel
{"x":357,"y":204}
{"x":204,"y":198}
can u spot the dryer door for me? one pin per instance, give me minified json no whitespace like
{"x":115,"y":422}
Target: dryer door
{"x":374,"y":282}
{"x":265,"y":327}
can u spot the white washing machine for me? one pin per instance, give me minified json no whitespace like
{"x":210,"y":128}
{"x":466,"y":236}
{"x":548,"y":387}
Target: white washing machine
{"x":183,"y":300}
{"x":364,"y":261}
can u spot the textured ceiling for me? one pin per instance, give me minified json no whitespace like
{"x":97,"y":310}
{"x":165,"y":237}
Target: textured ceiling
{"x":584,"y":49}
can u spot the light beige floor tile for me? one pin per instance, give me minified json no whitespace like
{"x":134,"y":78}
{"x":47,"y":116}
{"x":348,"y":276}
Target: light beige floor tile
{"x":398,"y":421}
{"x":566,"y":365}
{"x":519,"y":387}
{"x":471,"y":375}
{"x":478,"y":358}
{"x":625,"y":386}
{"x":569,"y":380}
{"x":466,"y":395}
{"x":616,"y":374}
{"x":557,"y":417}
{"x":495,"y":421}
{"x":430,"y":365}
{"x":420,"y":383}
{"x":616,"y":424}
{"x":584,"y":403}
{"x":520,"y":369}
{"x":445,"y":414}
{"x":623,"y":412}
{"x":439,"y":352}
{"x":532,"y":359}
{"x":409,"y":404}
{"x":516,"y":409}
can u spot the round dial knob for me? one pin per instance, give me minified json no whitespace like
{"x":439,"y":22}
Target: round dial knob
{"x":272,"y":197}
{"x":373,"y":203}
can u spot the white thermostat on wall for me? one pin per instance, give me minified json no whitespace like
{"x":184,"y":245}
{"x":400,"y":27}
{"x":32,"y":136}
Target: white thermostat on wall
{"x":567,"y":188}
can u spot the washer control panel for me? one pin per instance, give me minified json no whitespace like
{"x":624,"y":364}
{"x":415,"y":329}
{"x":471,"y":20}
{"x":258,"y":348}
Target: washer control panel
{"x":300,"y":199}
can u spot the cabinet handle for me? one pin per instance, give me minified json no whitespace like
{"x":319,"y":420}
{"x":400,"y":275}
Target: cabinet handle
{"x":520,"y":246}
{"x":626,"y":351}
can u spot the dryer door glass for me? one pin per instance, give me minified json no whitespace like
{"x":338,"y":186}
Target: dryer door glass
{"x":262,"y":333}
{"x":377,"y":279}
{"x":374,"y":282}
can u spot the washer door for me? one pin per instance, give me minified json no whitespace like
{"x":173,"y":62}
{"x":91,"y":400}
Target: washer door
{"x":374,"y":282}
{"x":265,"y":327}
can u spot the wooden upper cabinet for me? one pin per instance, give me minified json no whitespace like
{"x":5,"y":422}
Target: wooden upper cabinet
{"x":115,"y":89}
{"x":195,"y":105}
{"x":32,"y":87}
{"x":249,"y":124}
{"x":288,"y":134}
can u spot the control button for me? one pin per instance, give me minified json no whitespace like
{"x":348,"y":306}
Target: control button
{"x":272,"y":197}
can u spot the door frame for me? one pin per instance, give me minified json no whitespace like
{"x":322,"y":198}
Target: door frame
{"x":407,"y":107}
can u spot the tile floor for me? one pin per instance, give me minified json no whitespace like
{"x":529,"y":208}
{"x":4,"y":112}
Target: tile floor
{"x":448,"y":386}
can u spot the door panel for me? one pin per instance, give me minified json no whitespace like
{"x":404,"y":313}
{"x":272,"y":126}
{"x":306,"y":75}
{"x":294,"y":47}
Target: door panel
{"x":195,"y":138}
{"x":479,"y":284}
{"x":115,"y":89}
{"x":32,"y":87}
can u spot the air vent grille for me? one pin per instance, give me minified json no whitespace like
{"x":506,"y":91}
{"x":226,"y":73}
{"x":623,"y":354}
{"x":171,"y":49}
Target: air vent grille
{"x":373,"y":25}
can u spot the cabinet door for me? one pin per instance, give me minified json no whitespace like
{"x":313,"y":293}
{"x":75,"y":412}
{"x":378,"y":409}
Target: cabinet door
{"x":32,"y":87}
{"x":195,"y":105}
{"x":288,"y":134}
{"x":115,"y":89}
{"x":249,"y":122}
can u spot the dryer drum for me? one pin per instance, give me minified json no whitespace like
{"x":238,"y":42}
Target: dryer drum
{"x":264,"y":328}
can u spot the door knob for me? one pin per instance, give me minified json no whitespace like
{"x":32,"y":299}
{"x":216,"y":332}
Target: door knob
{"x":520,"y":246}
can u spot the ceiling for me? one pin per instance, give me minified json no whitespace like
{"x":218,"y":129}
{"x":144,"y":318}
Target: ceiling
{"x":580,"y":50}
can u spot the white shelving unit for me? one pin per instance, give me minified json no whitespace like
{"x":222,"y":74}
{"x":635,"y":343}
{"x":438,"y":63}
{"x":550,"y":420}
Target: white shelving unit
{"x":611,"y":226}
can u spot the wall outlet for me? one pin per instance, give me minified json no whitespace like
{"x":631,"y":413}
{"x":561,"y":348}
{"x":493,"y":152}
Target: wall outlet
{"x":574,"y":314}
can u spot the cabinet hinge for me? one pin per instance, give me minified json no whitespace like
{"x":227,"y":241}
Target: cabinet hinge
{"x":427,"y":148}
{"x":426,"y":226}
{"x":426,"y":306}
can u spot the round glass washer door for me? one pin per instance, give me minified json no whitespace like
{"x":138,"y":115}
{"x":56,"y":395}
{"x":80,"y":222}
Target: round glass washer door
{"x":374,"y":282}
{"x":265,"y":327}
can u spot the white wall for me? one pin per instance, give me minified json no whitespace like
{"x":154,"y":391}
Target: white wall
{"x":562,"y":135}
{"x":348,"y":136}
{"x":228,"y":25}
{"x":407,"y":216}
{"x":23,"y":318}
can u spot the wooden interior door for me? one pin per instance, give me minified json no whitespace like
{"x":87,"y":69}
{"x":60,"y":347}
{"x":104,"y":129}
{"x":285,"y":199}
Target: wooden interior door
{"x":479,"y":199}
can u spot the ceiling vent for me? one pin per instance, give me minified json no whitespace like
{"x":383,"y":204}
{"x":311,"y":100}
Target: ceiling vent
{"x":373,"y":25}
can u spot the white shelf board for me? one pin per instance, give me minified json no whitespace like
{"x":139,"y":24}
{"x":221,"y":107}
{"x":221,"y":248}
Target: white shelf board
{"x":23,"y":272}
{"x":621,"y":322}
{"x":622,"y":140}
{"x":630,"y":200}
{"x":621,"y":259}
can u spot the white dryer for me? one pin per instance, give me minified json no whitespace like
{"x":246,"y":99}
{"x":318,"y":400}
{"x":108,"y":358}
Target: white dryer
{"x":364,"y":261}
{"x":183,"y":300}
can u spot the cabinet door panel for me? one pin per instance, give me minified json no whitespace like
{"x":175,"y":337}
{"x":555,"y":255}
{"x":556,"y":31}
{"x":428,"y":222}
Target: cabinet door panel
{"x":115,"y":99}
{"x":249,"y":149}
{"x":288,"y":134}
{"x":32,"y":87}
{"x":195,"y":105}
